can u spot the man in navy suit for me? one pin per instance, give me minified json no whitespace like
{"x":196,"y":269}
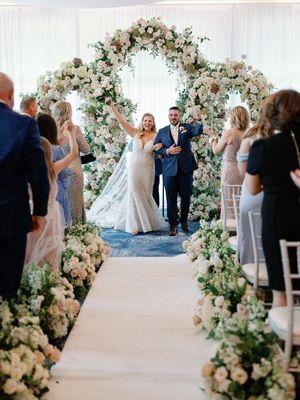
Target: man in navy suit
{"x":21,"y":162}
{"x":178,"y":165}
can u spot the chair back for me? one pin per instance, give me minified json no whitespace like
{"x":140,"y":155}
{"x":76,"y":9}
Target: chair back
{"x":290,"y":250}
{"x":255,"y":228}
{"x":290,"y":275}
{"x":236,"y":206}
{"x":227,"y":202}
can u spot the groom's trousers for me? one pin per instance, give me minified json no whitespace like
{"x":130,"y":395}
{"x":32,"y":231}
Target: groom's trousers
{"x":155,"y":193}
{"x":12,"y":255}
{"x":180,"y":184}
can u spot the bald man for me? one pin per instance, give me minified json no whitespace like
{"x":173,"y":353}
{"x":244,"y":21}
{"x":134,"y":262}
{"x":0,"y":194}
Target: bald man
{"x":21,"y":162}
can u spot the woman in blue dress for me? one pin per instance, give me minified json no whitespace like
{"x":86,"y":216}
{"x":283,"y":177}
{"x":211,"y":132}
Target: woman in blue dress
{"x":48,"y":129}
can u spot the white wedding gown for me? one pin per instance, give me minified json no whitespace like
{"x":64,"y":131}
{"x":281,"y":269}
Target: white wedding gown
{"x":132,"y":209}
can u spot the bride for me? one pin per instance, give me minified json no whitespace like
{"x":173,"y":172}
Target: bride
{"x":136,"y":211}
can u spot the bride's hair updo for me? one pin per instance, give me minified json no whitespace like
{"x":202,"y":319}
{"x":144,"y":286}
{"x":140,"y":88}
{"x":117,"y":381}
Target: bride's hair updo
{"x":62,"y":112}
{"x":141,"y":127}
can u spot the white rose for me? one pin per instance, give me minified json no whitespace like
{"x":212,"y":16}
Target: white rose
{"x":221,"y":374}
{"x":223,"y":386}
{"x":219,"y":301}
{"x":239,"y":375}
{"x":10,"y":386}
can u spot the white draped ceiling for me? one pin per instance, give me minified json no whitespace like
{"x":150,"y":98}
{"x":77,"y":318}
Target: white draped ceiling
{"x":125,"y":3}
{"x":34,"y":40}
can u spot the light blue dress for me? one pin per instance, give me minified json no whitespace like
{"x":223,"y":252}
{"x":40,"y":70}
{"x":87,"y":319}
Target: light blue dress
{"x":63,"y":182}
{"x":248,"y":202}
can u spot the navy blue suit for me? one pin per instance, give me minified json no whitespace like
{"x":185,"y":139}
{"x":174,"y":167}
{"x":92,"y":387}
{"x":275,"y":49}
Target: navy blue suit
{"x":21,"y":162}
{"x":158,"y":172}
{"x":178,"y":169}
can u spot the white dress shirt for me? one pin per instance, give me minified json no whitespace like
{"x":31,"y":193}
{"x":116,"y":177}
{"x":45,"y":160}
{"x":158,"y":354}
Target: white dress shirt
{"x":174,"y":132}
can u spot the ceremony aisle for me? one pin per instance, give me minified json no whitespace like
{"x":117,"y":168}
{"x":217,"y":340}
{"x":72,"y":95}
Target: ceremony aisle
{"x":134,"y":338}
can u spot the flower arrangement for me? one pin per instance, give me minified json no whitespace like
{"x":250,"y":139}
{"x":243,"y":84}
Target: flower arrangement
{"x":84,"y":250}
{"x":25,"y":354}
{"x":43,"y":313}
{"x":248,"y":362}
{"x":50,"y":296}
{"x":202,"y":83}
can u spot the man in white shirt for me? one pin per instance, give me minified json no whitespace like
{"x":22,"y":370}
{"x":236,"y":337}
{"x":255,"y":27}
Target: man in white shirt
{"x":178,"y":165}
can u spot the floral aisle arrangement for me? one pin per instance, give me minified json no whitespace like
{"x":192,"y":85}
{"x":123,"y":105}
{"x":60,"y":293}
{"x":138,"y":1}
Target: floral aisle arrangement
{"x":248,"y":363}
{"x":25,"y":354}
{"x":218,"y":275}
{"x":84,"y":251}
{"x":43,"y":314}
{"x":201,"y":83}
{"x":50,"y":296}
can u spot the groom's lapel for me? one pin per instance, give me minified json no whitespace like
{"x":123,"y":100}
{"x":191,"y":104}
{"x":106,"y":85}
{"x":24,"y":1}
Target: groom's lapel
{"x":180,"y":135}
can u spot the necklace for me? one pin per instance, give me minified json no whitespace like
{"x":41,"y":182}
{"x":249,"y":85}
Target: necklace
{"x":296,"y":147}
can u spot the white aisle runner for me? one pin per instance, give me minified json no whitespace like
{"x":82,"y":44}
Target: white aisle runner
{"x":134,"y":338}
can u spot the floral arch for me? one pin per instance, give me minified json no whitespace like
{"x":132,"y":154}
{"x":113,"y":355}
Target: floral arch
{"x":202,"y":83}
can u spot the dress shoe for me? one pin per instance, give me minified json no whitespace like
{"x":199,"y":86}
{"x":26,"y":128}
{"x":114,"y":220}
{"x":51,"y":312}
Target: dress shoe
{"x":173,"y":231}
{"x":185,"y":227}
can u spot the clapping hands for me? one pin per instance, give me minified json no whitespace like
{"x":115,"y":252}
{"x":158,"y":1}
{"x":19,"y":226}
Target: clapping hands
{"x":69,"y":127}
{"x":197,"y":113}
{"x":210,"y":132}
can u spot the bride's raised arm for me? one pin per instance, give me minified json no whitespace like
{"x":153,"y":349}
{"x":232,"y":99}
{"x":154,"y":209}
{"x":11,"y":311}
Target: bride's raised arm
{"x":131,"y":130}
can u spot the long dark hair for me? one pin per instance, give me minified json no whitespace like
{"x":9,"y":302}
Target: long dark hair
{"x":48,"y":128}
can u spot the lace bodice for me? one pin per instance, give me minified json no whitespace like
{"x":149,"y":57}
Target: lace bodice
{"x":142,"y":149}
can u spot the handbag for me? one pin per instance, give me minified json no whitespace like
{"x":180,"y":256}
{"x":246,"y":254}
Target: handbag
{"x":87,"y":158}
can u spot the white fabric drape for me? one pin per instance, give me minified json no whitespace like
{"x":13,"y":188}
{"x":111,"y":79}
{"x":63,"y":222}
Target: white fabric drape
{"x":36,"y":40}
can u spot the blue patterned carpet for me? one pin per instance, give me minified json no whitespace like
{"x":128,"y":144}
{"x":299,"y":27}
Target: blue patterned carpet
{"x":152,"y":244}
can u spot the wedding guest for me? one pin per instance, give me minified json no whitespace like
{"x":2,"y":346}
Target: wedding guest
{"x":269,"y":165}
{"x":229,"y":145}
{"x":21,"y":161}
{"x":48,"y":129}
{"x":249,"y":202}
{"x":45,"y":246}
{"x":28,"y":106}
{"x":62,"y":112}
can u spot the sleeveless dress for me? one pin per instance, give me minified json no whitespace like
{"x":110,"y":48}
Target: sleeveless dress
{"x":139,"y":212}
{"x":46,"y":246}
{"x":63,"y":183}
{"x":230,"y":174}
{"x":248,"y":202}
{"x":76,"y":188}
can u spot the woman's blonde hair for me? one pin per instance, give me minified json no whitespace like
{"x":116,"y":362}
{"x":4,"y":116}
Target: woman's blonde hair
{"x":141,"y":127}
{"x":48,"y":158}
{"x":239,"y":118}
{"x":62,"y":112}
{"x":261,"y":130}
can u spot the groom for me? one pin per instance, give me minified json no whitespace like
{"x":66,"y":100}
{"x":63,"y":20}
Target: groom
{"x":178,"y":165}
